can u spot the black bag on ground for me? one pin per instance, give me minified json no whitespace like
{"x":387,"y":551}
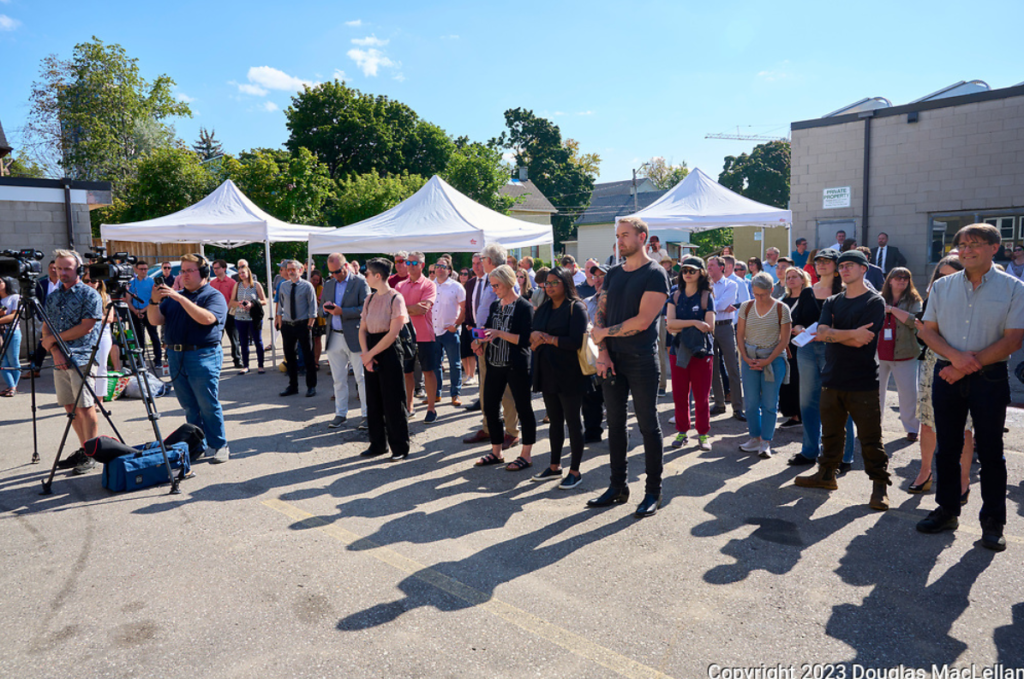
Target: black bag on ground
{"x":191,"y":435}
{"x":106,"y":449}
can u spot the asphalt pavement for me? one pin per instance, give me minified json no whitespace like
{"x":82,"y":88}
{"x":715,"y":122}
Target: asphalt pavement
{"x":299,"y":558}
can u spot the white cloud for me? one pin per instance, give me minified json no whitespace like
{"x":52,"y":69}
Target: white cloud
{"x":354,"y":22}
{"x":370,"y":41}
{"x":508,"y":157}
{"x":371,"y":60}
{"x":449,"y":37}
{"x":7,"y":23}
{"x":269,"y":106}
{"x":399,"y":77}
{"x":340,"y":75}
{"x":184,"y":97}
{"x":584,"y":113}
{"x":273,"y":79}
{"x":246,"y":88}
{"x":774,"y":75}
{"x":559,"y":113}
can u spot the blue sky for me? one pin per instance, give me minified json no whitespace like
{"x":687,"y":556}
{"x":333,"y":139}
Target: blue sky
{"x":627,"y":80}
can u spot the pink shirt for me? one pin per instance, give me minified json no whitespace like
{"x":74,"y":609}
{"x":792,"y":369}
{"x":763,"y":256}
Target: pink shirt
{"x":225,"y":288}
{"x":422,"y":290}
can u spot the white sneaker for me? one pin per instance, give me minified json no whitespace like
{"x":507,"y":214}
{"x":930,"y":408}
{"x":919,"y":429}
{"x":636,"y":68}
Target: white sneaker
{"x":765,"y":450}
{"x":221,"y":455}
{"x":672,"y":420}
{"x":751,"y":446}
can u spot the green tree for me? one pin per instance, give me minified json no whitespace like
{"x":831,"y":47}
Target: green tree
{"x":664,"y":175}
{"x":762,"y":176}
{"x":207,"y":146}
{"x":92,"y":115}
{"x":479,"y":172}
{"x":354,"y":133}
{"x":21,"y":166}
{"x":558,"y":170}
{"x":711,"y":241}
{"x":369,"y":194}
{"x":589,"y":163}
{"x":295,"y":188}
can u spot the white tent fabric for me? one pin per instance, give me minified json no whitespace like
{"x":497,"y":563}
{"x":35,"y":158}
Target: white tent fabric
{"x":226,"y":217}
{"x":437,"y":218}
{"x":699,"y":203}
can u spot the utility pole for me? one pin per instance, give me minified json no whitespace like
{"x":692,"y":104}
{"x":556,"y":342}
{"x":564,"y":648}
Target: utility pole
{"x":636,"y":207}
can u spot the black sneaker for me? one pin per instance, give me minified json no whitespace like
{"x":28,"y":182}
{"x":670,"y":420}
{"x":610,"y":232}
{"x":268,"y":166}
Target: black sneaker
{"x":76,"y":458}
{"x":87,"y":465}
{"x":791,"y":422}
{"x":992,"y":534}
{"x":845,"y":467}
{"x":939,"y":520}
{"x":799,"y":460}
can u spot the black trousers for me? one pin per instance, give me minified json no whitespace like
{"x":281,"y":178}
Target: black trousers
{"x":593,"y":411}
{"x":564,"y":411}
{"x":143,"y":326}
{"x":984,"y":395}
{"x":789,"y":394}
{"x":298,"y":334}
{"x":385,"y":401}
{"x":518,"y":383}
{"x":866,"y":411}
{"x":231,"y":330}
{"x":636,"y":374}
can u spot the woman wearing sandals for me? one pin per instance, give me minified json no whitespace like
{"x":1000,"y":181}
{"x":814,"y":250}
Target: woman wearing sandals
{"x":506,"y":348}
{"x":246,"y":295}
{"x":559,"y":328}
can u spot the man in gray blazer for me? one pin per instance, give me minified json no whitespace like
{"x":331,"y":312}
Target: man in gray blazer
{"x":342,"y":304}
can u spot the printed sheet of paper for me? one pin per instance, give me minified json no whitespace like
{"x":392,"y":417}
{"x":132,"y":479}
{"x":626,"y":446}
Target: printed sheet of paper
{"x":806,"y":336}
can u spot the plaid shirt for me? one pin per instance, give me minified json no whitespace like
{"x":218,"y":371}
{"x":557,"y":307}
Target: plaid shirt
{"x":67,"y":308}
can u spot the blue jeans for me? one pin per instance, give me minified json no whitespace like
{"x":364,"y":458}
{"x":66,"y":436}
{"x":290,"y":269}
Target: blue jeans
{"x":762,"y":398}
{"x":811,"y":361}
{"x":448,"y":343}
{"x":195,"y":376}
{"x":11,"y":362}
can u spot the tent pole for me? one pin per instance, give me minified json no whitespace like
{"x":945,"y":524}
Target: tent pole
{"x":762,"y":243}
{"x":270,"y":304}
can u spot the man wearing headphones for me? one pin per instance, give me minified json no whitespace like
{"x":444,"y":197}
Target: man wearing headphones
{"x":74,"y":311}
{"x":194,"y":320}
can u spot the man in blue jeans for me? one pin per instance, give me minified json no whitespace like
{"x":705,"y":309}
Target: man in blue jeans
{"x":447,"y":315}
{"x":194,"y":320}
{"x":974,"y":321}
{"x":626,"y":331}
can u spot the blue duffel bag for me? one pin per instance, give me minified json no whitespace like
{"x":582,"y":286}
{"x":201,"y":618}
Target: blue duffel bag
{"x":144,"y":469}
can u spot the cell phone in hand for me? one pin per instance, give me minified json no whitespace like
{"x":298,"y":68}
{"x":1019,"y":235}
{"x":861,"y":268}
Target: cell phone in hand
{"x":329,"y":305}
{"x":160,"y":280}
{"x":479,"y":333}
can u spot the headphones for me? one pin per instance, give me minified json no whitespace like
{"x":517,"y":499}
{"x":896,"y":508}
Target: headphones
{"x":203,"y":264}
{"x":80,"y":269}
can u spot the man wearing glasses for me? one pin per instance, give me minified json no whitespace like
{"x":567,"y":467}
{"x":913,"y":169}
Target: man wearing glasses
{"x":194,"y":320}
{"x":420,"y":293}
{"x":974,"y":321}
{"x":296,"y":315}
{"x":401,"y":269}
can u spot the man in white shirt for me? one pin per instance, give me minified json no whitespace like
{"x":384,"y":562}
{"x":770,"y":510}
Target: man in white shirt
{"x":840,"y":238}
{"x":449,"y":312}
{"x":743,"y":292}
{"x":578,"y":277}
{"x":886,"y":257}
{"x":726,"y":291}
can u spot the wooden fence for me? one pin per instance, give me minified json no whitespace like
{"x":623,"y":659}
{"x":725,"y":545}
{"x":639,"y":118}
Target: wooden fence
{"x":155,"y":252}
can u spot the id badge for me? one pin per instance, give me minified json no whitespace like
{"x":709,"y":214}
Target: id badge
{"x":887,"y":334}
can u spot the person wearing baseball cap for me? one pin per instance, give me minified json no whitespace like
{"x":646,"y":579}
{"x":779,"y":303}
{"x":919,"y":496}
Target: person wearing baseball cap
{"x":849,"y":325}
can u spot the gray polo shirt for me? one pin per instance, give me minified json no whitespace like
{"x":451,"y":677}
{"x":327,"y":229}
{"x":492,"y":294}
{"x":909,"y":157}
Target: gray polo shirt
{"x":971,"y":319}
{"x":305,"y":301}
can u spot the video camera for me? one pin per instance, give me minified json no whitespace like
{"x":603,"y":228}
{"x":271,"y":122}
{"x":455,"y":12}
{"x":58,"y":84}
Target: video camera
{"x":21,"y":264}
{"x":115,"y":270}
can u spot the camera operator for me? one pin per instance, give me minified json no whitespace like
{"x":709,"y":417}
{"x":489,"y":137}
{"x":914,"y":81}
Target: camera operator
{"x":194,"y":319}
{"x":74,"y":311}
{"x":142,"y":287}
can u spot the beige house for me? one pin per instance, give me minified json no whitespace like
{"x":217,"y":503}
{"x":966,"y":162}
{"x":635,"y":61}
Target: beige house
{"x":535,"y":208}
{"x":916,"y":171}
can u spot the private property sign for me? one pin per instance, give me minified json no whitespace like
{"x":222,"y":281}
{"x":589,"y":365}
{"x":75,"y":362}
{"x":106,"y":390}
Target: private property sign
{"x":835,"y":198}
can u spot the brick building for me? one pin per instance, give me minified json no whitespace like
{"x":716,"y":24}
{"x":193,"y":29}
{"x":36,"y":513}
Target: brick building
{"x":917,"y":171}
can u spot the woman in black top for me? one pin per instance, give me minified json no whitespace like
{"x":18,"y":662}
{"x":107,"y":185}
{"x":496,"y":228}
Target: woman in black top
{"x":559,"y":328}
{"x":795,"y":282}
{"x":506,"y":349}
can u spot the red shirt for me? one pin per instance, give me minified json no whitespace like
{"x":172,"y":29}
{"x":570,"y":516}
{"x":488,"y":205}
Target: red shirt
{"x":422,"y":290}
{"x":226,"y":288}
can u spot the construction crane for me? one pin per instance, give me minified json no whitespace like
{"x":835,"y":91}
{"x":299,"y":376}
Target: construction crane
{"x":744,"y":137}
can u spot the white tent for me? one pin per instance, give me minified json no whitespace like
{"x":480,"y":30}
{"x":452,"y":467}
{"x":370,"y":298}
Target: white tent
{"x":226,"y":217}
{"x":699,"y":203}
{"x":437,"y":218}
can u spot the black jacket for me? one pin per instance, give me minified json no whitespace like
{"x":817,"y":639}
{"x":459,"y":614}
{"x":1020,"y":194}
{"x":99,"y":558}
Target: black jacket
{"x":893,"y":259}
{"x":557,"y":368}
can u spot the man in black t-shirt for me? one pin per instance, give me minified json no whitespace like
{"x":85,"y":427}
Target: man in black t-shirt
{"x":626,"y":331}
{"x":850,"y":323}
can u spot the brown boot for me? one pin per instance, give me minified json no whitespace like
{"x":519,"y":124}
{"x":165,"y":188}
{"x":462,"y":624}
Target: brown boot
{"x":823,"y":478}
{"x":879,"y":496}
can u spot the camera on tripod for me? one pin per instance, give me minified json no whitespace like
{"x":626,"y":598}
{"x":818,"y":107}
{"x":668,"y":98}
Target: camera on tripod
{"x":115,"y":270}
{"x":21,"y":264}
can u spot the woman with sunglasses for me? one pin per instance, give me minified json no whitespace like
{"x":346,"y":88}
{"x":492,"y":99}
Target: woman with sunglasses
{"x":247,"y":295}
{"x":1015,"y":267}
{"x":897,"y":346}
{"x":10,"y":354}
{"x":926,"y":415}
{"x":559,"y":329}
{"x":692,"y":307}
{"x":525,"y":287}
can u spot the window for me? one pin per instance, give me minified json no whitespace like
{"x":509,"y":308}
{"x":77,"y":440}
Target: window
{"x":1007,"y":232}
{"x":945,"y":226}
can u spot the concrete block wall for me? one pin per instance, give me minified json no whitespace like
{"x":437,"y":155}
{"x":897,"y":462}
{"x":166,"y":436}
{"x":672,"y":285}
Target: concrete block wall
{"x":42,"y":226}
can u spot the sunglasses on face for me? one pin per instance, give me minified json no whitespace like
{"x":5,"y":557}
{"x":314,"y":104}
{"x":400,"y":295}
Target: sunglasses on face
{"x":688,"y":270}
{"x":440,"y":266}
{"x":412,"y":262}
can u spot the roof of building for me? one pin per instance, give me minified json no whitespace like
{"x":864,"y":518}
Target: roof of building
{"x":605,"y":208}
{"x":534,"y":199}
{"x":620,"y":188}
{"x":5,"y":148}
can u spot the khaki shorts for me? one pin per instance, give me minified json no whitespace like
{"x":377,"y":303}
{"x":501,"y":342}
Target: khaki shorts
{"x":66,"y":383}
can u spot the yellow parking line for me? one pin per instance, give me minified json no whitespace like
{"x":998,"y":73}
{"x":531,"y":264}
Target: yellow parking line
{"x":518,"y":617}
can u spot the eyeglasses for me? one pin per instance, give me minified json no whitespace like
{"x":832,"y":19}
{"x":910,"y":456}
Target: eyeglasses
{"x":552,"y":283}
{"x":441,"y":266}
{"x":166,"y":268}
{"x":184,"y":270}
{"x":412,"y":262}
{"x":971,"y":245}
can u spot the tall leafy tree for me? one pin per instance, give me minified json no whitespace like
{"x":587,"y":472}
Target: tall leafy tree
{"x":478,"y":171}
{"x":21,"y":166}
{"x":295,"y":188}
{"x":762,"y":176}
{"x":664,"y":175}
{"x":207,"y":146}
{"x":354,"y":133}
{"x":559,"y":171}
{"x":93,"y":114}
{"x":366,"y":195}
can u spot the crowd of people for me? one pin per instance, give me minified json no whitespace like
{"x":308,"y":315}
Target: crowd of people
{"x":816,"y":335}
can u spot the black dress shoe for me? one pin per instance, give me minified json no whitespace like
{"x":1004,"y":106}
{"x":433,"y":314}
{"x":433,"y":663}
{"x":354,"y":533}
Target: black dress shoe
{"x":651,"y":504}
{"x":798,"y":460}
{"x":612,"y":496}
{"x":737,"y":415}
{"x":845,"y":467}
{"x":992,"y":535}
{"x":592,"y":438}
{"x":938,"y":520}
{"x":311,"y":392}
{"x":370,"y":452}
{"x":475,"y":405}
{"x":290,"y":391}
